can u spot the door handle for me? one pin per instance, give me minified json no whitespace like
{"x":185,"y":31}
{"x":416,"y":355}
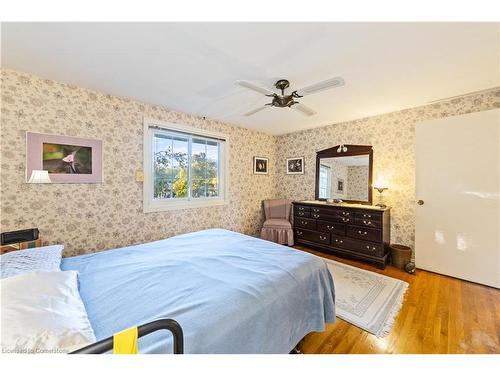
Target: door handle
{"x":420,"y":202}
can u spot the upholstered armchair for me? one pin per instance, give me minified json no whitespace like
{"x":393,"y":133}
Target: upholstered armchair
{"x":277,"y":227}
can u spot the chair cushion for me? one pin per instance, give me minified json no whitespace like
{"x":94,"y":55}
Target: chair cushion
{"x":277,"y":208}
{"x":277,"y":223}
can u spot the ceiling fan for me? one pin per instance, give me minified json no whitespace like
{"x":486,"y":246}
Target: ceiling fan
{"x":282,"y":100}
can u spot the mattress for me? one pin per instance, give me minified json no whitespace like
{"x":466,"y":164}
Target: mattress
{"x":231,"y":293}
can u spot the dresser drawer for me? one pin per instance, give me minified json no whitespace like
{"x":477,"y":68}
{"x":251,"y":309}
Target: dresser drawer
{"x":317,"y":210}
{"x":332,"y":216}
{"x":366,"y":234}
{"x":323,"y":238}
{"x":329,"y":227}
{"x":297,"y":208}
{"x":325,"y":211}
{"x":374,"y":249}
{"x":344,"y":213}
{"x":369,"y":223}
{"x":345,"y":220}
{"x":322,"y":215}
{"x":302,"y":214}
{"x":371,"y":216}
{"x":304,"y":223}
{"x":331,"y":213}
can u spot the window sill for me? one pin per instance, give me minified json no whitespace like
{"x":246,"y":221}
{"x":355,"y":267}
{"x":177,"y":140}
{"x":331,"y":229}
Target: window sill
{"x":182,"y":205}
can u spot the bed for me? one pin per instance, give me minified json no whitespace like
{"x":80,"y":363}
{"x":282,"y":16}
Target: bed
{"x":231,"y":293}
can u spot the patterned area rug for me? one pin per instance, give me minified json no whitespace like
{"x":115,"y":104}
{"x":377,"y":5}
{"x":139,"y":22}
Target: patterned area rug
{"x":366,"y":299}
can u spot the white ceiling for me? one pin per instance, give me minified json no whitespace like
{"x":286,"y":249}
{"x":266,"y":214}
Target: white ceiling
{"x":192,"y":67}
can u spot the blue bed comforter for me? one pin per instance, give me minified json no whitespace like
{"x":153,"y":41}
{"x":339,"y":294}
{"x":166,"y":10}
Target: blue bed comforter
{"x":231,"y":293}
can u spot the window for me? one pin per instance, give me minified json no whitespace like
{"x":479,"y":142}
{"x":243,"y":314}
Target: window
{"x":325,"y":182}
{"x":183,"y":167}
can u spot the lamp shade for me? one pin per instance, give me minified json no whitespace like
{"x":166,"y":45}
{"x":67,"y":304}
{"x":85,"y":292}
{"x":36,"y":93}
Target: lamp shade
{"x":39,"y":177}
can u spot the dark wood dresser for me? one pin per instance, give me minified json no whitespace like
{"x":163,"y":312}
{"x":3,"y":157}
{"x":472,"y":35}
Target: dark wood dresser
{"x":355,"y":232}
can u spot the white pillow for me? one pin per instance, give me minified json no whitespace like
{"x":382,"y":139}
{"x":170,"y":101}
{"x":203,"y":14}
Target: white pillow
{"x":38,"y":259}
{"x":42,"y":312}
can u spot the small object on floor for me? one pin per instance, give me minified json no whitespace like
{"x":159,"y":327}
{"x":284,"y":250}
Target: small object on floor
{"x":296,"y":350}
{"x":400,"y":255}
{"x":410,"y":267}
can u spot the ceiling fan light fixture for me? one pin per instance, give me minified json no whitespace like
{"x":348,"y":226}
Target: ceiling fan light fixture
{"x":288,"y":101}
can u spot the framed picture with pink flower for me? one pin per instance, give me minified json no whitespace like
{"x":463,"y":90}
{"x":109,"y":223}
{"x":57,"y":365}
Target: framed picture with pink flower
{"x":66,"y":159}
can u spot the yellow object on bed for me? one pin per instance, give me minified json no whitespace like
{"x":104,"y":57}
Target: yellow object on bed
{"x":125,"y":342}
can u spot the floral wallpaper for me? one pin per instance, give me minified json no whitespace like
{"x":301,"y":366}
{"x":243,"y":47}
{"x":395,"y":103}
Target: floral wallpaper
{"x":92,"y":217}
{"x":357,"y":180}
{"x":392,"y":136}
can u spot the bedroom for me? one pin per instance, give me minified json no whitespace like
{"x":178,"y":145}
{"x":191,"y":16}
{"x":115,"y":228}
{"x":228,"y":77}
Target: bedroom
{"x":150,"y":151}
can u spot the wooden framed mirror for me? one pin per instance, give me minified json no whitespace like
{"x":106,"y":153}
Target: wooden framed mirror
{"x":345,"y":172}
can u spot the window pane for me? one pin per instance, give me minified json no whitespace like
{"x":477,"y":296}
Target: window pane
{"x":324,"y":189}
{"x":180,"y":167}
{"x":170,"y":166}
{"x":204,"y":168}
{"x":212,"y":176}
{"x":161,"y":163}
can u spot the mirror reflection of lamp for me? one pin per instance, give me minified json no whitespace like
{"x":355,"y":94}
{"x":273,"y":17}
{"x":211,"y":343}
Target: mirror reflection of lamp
{"x":380,"y":185}
{"x":39,"y":177}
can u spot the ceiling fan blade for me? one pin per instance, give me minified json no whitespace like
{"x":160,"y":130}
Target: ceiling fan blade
{"x":256,"y":110}
{"x":304,"y":109}
{"x":323,"y":85}
{"x":254,"y":87}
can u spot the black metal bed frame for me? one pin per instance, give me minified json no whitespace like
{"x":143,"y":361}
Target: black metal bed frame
{"x":171,"y":325}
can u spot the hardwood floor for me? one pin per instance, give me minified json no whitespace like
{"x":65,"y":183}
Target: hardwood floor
{"x":440,"y":314}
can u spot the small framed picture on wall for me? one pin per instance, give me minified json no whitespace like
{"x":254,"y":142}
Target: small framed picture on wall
{"x":260,"y":165}
{"x":340,"y":185}
{"x":295,"y":165}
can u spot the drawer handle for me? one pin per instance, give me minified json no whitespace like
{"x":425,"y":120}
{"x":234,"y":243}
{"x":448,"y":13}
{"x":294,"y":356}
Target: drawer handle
{"x":339,"y":241}
{"x":315,"y":216}
{"x":322,"y":238}
{"x":299,"y":233}
{"x":345,"y":213}
{"x":301,"y":208}
{"x":362,"y":233}
{"x":330,"y":227}
{"x":303,"y":222}
{"x":301,"y":214}
{"x":316,"y":209}
{"x":345,"y":220}
{"x":368,"y":247}
{"x":367,"y":222}
{"x":368,"y":216}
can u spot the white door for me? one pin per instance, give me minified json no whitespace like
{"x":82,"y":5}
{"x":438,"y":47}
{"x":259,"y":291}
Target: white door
{"x":457,"y":229}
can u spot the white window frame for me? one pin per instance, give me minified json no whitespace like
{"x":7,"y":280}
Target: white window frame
{"x":328,"y":181}
{"x":151,"y":204}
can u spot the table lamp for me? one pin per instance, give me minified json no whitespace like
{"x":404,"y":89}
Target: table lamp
{"x":380,"y":187}
{"x":39,"y":177}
